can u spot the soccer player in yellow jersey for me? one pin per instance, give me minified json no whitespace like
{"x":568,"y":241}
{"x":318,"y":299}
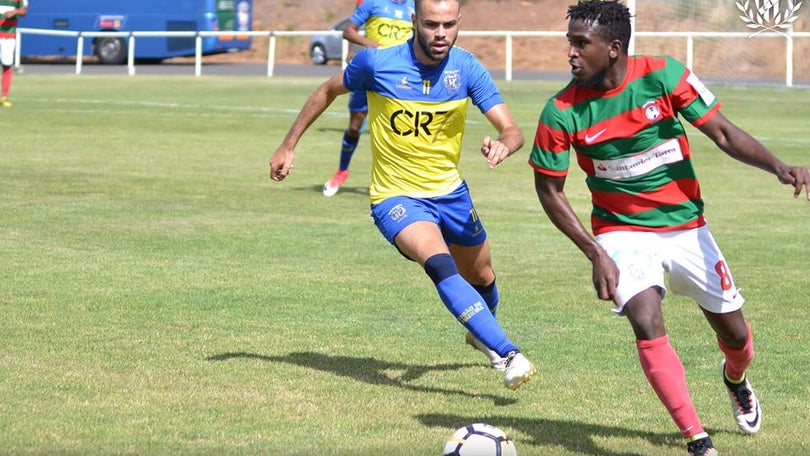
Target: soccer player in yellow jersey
{"x":418,"y":93}
{"x":387,"y":22}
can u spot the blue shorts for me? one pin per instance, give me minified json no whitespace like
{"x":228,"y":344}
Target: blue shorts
{"x":454,"y":213}
{"x":358,"y":101}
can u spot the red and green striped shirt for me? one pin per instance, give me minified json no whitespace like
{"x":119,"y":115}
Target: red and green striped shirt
{"x":631,"y":144}
{"x":8,"y":27}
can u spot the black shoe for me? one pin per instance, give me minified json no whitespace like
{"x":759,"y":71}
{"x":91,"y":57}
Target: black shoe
{"x":701,"y":447}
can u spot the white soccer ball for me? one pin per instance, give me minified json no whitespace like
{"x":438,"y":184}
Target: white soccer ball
{"x":479,"y":439}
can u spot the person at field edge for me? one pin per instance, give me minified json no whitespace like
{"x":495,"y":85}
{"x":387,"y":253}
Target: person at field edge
{"x":418,"y":94}
{"x":388,"y":22}
{"x":10,"y":10}
{"x":620,"y":115}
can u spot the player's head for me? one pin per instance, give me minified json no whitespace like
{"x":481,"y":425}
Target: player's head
{"x":599,"y":34}
{"x":609,"y":18}
{"x":435,"y":25}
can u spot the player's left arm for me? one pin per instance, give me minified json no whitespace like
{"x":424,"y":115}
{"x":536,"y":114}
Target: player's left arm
{"x":740,"y":145}
{"x":509,"y":139}
{"x":17,"y":12}
{"x":20,"y":11}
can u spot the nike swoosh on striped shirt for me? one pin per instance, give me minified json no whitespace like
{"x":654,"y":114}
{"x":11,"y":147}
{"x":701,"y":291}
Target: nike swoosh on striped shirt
{"x":589,"y":139}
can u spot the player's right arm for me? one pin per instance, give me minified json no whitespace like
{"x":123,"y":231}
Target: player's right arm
{"x":550,"y":159}
{"x":360,"y":16}
{"x":353,"y":35}
{"x":282,"y":160}
{"x":556,"y":205}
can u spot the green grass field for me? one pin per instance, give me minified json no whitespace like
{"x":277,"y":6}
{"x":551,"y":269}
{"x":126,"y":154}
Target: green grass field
{"x":160,"y":295}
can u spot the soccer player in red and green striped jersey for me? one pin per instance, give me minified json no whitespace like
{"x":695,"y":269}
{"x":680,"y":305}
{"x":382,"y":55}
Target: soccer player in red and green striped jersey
{"x":620,"y":115}
{"x":10,"y":10}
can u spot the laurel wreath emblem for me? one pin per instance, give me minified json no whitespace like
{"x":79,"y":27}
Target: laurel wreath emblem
{"x":759,"y":16}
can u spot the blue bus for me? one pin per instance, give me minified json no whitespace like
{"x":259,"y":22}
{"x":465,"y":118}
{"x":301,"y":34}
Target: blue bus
{"x":135,"y":16}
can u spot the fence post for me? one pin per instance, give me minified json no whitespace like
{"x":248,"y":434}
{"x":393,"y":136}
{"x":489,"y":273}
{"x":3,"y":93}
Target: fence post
{"x":79,"y":53}
{"x":344,"y":54}
{"x":631,"y":46}
{"x":198,"y":55}
{"x":508,"y":75}
{"x":271,"y":55}
{"x":690,"y":52}
{"x":17,"y":50}
{"x":131,"y":55}
{"x":789,"y":57}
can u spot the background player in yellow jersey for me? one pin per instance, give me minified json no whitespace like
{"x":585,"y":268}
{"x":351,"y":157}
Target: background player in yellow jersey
{"x":387,"y":22}
{"x":418,"y":94}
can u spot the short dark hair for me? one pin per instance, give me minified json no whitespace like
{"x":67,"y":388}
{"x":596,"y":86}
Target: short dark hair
{"x":418,"y":3}
{"x":612,"y":18}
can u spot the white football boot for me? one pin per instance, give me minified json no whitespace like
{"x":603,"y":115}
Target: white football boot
{"x":744,"y":403}
{"x":494,"y":358}
{"x":519,"y":370}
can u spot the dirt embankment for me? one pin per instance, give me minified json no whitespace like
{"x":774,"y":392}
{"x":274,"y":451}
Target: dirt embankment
{"x":487,"y":15}
{"x":749,"y":58}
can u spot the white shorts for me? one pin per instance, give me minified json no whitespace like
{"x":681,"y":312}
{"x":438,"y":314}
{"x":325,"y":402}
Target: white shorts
{"x":692,"y":258}
{"x":7,"y":46}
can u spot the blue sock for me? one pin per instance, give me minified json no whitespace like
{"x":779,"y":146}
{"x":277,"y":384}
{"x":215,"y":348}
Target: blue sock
{"x":466,"y":304}
{"x":490,"y":295}
{"x":347,"y":148}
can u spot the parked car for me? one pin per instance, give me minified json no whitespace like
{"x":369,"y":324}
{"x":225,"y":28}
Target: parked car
{"x":329,"y":46}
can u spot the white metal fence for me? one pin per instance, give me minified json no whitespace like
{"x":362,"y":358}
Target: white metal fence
{"x":508,"y":36}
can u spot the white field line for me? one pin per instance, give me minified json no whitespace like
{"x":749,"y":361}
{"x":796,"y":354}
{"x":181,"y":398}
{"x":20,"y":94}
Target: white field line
{"x":231,"y":111}
{"x":192,"y":109}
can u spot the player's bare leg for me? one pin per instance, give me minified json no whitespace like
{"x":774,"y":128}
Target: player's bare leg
{"x":736,"y":341}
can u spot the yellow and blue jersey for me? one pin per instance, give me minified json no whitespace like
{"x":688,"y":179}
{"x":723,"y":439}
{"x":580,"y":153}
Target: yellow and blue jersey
{"x":388,"y":22}
{"x":417,"y":115}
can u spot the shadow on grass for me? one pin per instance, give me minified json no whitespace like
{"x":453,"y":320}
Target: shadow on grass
{"x":341,"y":130}
{"x":369,"y":370}
{"x":361,"y":190}
{"x":575,"y":436}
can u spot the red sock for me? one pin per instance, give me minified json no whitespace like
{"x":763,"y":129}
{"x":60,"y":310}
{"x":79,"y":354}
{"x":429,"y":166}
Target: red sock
{"x":738,"y":359}
{"x":665,"y":373}
{"x":6,"y":80}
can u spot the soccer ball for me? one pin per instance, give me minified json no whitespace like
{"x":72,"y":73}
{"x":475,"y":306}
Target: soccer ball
{"x":479,"y":439}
